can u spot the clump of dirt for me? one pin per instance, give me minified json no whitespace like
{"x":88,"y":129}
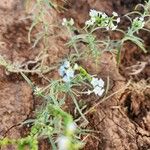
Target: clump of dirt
{"x":11,"y":5}
{"x":15,"y":106}
{"x":136,"y":101}
{"x":123,"y":121}
{"x":135,"y":63}
{"x":14,"y":28}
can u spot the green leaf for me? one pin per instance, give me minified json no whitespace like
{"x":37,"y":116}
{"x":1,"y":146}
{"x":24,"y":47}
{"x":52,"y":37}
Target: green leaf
{"x":136,"y":40}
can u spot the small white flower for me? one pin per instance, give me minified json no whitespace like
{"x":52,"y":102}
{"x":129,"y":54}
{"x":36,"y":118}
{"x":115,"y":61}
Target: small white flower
{"x":98,"y":91}
{"x":104,"y":15}
{"x":64,"y":22}
{"x":138,"y":23}
{"x":97,"y":82}
{"x":115,"y":14}
{"x":61,"y":70}
{"x":114,"y":27}
{"x":66,"y":79}
{"x":93,"y":19}
{"x":89,"y":23}
{"x":70,"y":72}
{"x":98,"y":85}
{"x":66,"y":64}
{"x":66,"y":71}
{"x":118,"y":20}
{"x":71,"y":22}
{"x":94,"y":81}
{"x":141,"y":18}
{"x":71,"y":127}
{"x":93,"y":13}
{"x":63,"y":143}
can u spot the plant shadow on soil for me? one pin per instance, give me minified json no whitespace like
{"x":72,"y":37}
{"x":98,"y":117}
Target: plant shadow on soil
{"x":121,"y":123}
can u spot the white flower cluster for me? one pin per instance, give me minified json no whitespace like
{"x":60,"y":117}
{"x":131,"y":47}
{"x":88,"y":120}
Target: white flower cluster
{"x":66,"y":71}
{"x":102,"y":20}
{"x":65,"y":141}
{"x":66,"y":22}
{"x":138,"y":23}
{"x":98,"y":87}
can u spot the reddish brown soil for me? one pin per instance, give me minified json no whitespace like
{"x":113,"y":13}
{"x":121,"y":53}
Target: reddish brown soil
{"x":121,"y":122}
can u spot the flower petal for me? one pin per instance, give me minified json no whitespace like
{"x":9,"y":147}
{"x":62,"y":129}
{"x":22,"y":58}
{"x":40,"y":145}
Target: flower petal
{"x":70,"y":72}
{"x":61,"y":71}
{"x":100,"y":83}
{"x":66,"y":64}
{"x":94,"y":81}
{"x":66,"y":79}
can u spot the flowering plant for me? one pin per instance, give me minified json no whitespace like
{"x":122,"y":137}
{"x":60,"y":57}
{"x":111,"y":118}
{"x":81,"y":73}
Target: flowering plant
{"x":52,"y":121}
{"x":68,"y":74}
{"x":102,"y":20}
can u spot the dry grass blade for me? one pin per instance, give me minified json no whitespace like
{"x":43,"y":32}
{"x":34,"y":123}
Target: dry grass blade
{"x":136,"y":69}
